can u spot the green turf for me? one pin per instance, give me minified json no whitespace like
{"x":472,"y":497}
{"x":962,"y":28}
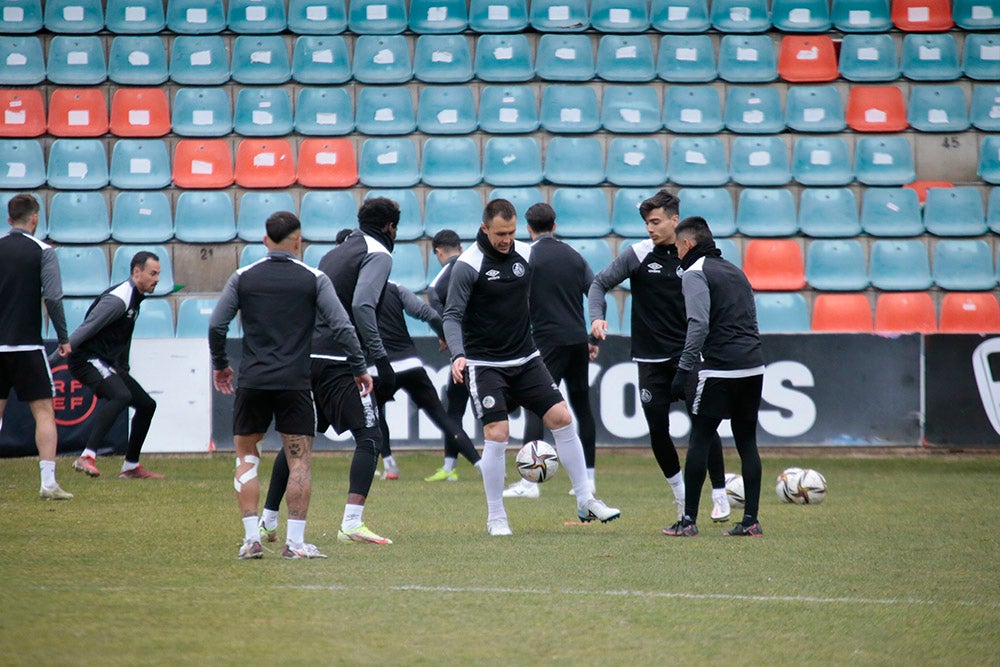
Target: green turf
{"x":901,"y":565}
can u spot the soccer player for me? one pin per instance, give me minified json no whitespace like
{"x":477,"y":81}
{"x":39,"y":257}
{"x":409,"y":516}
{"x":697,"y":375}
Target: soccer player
{"x":658,"y":326}
{"x":100,"y":360}
{"x":722,"y":329}
{"x":487,"y":325}
{"x":29,"y":271}
{"x":359,"y":268}
{"x":281,"y":300}
{"x":559,"y":277}
{"x":410,"y":373}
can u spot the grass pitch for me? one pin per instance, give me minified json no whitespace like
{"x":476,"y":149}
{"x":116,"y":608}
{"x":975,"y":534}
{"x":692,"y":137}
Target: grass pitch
{"x":900,"y":565}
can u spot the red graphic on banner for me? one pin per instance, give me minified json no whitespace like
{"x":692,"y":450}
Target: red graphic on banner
{"x":73,"y":401}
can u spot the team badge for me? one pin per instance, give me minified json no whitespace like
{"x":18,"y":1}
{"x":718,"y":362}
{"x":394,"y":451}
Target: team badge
{"x":518,"y":269}
{"x":489,"y":402}
{"x":680,"y":272}
{"x":645,"y":396}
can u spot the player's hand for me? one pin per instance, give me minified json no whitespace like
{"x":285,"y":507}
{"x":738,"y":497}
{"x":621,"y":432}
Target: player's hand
{"x":223,"y":380}
{"x":457,"y":370}
{"x":678,"y":388}
{"x":593,"y":351}
{"x":599,"y":329}
{"x":64,"y":350}
{"x":442,"y":345}
{"x":364,"y":383}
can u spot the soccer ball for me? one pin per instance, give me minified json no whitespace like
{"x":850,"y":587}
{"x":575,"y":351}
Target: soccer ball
{"x":788,"y":484}
{"x":537,"y":461}
{"x":734,"y":489}
{"x":802,"y":487}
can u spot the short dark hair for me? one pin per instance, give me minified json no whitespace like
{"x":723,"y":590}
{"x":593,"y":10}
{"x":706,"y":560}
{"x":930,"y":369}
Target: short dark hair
{"x":378,"y":212}
{"x":499,"y":208}
{"x":281,"y":224}
{"x":342,"y":236}
{"x":446,"y":238}
{"x":664,"y":199}
{"x":139,"y":260}
{"x":21,"y":207}
{"x":696,"y":227}
{"x":541,"y":217}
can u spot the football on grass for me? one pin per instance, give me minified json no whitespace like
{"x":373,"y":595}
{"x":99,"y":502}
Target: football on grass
{"x":734,"y":490}
{"x":537,"y":461}
{"x":787,"y":484}
{"x":801,"y":486}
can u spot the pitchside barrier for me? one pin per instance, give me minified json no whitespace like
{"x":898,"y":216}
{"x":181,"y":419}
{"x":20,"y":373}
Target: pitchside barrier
{"x":819,"y":389}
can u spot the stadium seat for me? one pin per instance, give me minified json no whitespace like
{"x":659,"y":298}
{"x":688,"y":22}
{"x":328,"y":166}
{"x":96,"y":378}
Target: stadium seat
{"x":923,"y":186}
{"x":829,"y":212}
{"x":930,"y":58}
{"x":79,"y":217}
{"x":975,"y":15}
{"x":842,"y":313}
{"x":254,"y":210}
{"x":450,"y":162}
{"x":626,"y":58}
{"x":446,"y":110}
{"x":323,"y":112}
{"x":512,"y":161}
{"x":324,"y":212}
{"x":698,"y":161}
{"x":202,"y":112}
{"x":193,"y":315}
{"x":713,"y":204}
{"x":321,"y":59}
{"x":140,"y":112}
{"x":442,"y":59}
{"x":574,"y":161}
{"x":75,"y":17}
{"x":42,"y":230}
{"x":409,"y":268}
{"x":955,"y":211}
{"x":740,"y":16}
{"x":385,"y":111}
{"x":264,"y":163}
{"x":679,"y":16}
{"x":975,"y":312}
{"x":891,"y":212}
{"x":22,"y":164}
{"x":869,"y":58}
{"x":900,"y":265}
{"x":692,"y":110}
{"x":456,"y":209}
{"x":256,"y":17}
{"x":261,"y":60}
{"x":565,"y":57}
{"x":521,"y":198}
{"x":814,"y":109}
{"x":782,"y":312}
{"x":628,"y":16}
{"x":504,"y":58}
{"x":801,"y":15}
{"x":23,"y":59}
{"x":636,"y":162}
{"x":203,"y":164}
{"x":559,"y":15}
{"x":251,"y":253}
{"x":377,"y":17}
{"x":836,"y":265}
{"x":83,"y":269}
{"x":686,"y":59}
{"x":498,"y":15}
{"x":76,"y":60}
{"x":199,"y":60}
{"x":730,"y":252}
{"x":597,"y":252}
{"x":205,"y":217}
{"x":155,"y":320}
{"x":766,"y":212}
{"x":618,"y":324}
{"x":196,"y":17}
{"x":886,"y":160}
{"x":122,"y":258}
{"x":922,"y":15}
{"x":327,"y":163}
{"x":389,"y":163}
{"x":21,"y":17}
{"x":625,"y":218}
{"x":754,"y":110}
{"x":570,"y":109}
{"x":822,"y":161}
{"x":984,"y":111}
{"x":23,"y":113}
{"x":964,"y":266}
{"x":992,"y":210}
{"x":382,"y":59}
{"x":438,"y":16}
{"x":135,"y":17}
{"x":75,"y":310}
{"x":937,"y":109}
{"x":989,"y":160}
{"x":981,"y":57}
{"x":631,"y":110}
{"x":581,"y":212}
{"x":508,"y":110}
{"x":411,"y":225}
{"x":138,"y":60}
{"x":140,"y":164}
{"x":747,"y":59}
{"x":759,"y":161}
{"x":807,"y":58}
{"x":78,"y":112}
{"x":142,"y":217}
{"x":861,"y":15}
{"x":774,"y":265}
{"x":77,"y":164}
{"x":315,"y":252}
{"x":263,"y":112}
{"x":905,"y":312}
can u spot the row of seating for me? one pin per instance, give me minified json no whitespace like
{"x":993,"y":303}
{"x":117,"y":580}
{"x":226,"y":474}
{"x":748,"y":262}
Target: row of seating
{"x":156,"y":318}
{"x":444,"y":16}
{"x":383,"y":59}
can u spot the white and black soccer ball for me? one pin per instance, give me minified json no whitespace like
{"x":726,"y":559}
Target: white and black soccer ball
{"x":787,"y":484}
{"x":734,"y":490}
{"x":537,"y":461}
{"x":802,"y":487}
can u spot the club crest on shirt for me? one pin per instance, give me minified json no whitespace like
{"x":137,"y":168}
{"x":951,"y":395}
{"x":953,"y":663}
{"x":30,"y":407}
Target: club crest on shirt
{"x":489,"y":402}
{"x":680,"y":272}
{"x":492,"y":274}
{"x":518,"y":269}
{"x":645,"y":396}
{"x":131,"y":314}
{"x":654,"y":267}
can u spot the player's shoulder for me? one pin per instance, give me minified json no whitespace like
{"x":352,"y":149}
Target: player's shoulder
{"x":375,"y":246}
{"x":471,"y":257}
{"x":523,"y":249}
{"x":642,"y":249}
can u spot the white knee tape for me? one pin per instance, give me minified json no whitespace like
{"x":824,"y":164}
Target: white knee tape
{"x":240,"y":480}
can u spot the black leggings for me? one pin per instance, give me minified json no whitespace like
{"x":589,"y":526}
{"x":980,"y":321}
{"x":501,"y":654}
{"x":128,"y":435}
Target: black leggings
{"x":457,"y":394}
{"x":570,"y":363}
{"x":704,"y":431}
{"x":120,"y":391}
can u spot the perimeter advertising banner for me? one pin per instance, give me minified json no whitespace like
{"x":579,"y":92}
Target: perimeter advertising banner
{"x":963,"y":390}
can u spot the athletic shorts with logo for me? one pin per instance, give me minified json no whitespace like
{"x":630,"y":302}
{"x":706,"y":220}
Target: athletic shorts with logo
{"x":728,"y":398}
{"x":497,"y":390}
{"x":27,"y":372}
{"x":291,"y":409}
{"x":338,"y":401}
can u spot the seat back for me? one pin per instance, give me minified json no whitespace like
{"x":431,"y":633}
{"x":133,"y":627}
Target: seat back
{"x":884,"y":160}
{"x":21,"y":17}
{"x":955,"y":211}
{"x":842,"y":313}
{"x":922,"y":15}
{"x":256,"y":17}
{"x":582,"y":212}
{"x":201,"y":112}
{"x":937,"y":109}
{"x":829,"y":212}
{"x":759,"y":161}
{"x":323,"y":112}
{"x":801,"y":15}
{"x":140,"y":164}
{"x":22,"y":113}
{"x":77,"y":164}
{"x":984,"y":111}
{"x":205,"y":217}
{"x":450,"y":162}
{"x":565,"y":57}
{"x":807,"y":58}
{"x":385,"y":111}
{"x":442,"y":59}
{"x":626,"y":58}
{"x":83,"y":269}
{"x":438,"y":16}
{"x":264,"y":163}
{"x":774,"y":265}
{"x":740,"y":16}
{"x":868,"y":58}
{"x":327,"y":163}
{"x":512,"y":161}
{"x":201,"y":164}
{"x":324,"y":212}
{"x":382,"y":59}
{"x":196,"y":17}
{"x":317,"y":17}
{"x":140,"y":112}
{"x":446,"y":110}
{"x":930,"y":57}
{"x":79,"y":217}
{"x":891,"y":212}
{"x":261,"y":60}
{"x":574,"y":161}
{"x":814,"y":109}
{"x":457,"y":209}
{"x":970,"y":313}
{"x":570,"y":109}
{"x":597,"y":252}
{"x":321,"y":59}
{"x":876,"y":109}
{"x":22,"y":165}
{"x":989,"y":160}
{"x":199,"y":60}
{"x":861,"y":15}
{"x":631,"y":110}
{"x":679,"y":16}
{"x":155,"y":320}
{"x":74,"y":17}
{"x":754,"y":110}
{"x":78,"y":112}
{"x":498,"y":15}
{"x":389,"y":163}
{"x":559,"y":15}
{"x":631,"y":16}
{"x":508,"y":110}
{"x":713,"y":204}
{"x":142,"y":217}
{"x":766,"y":212}
{"x":135,"y":17}
{"x":686,"y":59}
{"x":698,"y":161}
{"x":822,"y":161}
{"x":692,"y":110}
{"x":900,"y":265}
{"x":138,"y":60}
{"x":782,"y":312}
{"x":263,"y":112}
{"x":747,"y":59}
{"x":981,"y":56}
{"x":837,"y":265}
{"x":905,"y":312}
{"x":377,"y":17}
{"x":24,"y":60}
{"x":76,"y":60}
{"x":409,"y":268}
{"x":965,"y":266}
{"x":504,"y":58}
{"x":254,"y":210}
{"x":411,"y":225}
{"x":636,"y":162}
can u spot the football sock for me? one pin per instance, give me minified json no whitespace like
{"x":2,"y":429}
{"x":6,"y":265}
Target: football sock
{"x":296,"y":532}
{"x":128,"y":465}
{"x":389,"y":462}
{"x":48,"y":472}
{"x":718,"y":494}
{"x":250,"y":531}
{"x":89,"y":452}
{"x":352,"y":517}
{"x":590,"y":475}
{"x":449,"y":463}
{"x":492,"y":468}
{"x":677,"y":484}
{"x":570,"y":451}
{"x":270,"y":519}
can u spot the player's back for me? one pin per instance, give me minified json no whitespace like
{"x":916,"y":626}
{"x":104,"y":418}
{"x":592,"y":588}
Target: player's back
{"x":560,"y":278}
{"x":20,"y":289}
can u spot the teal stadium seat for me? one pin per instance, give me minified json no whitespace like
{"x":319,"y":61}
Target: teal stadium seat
{"x":317,"y":17}
{"x":512,"y":161}
{"x":692,"y":110}
{"x":79,"y":217}
{"x":954,"y":212}
{"x":257,"y":17}
{"x":597,"y":252}
{"x":984,"y":111}
{"x":891,"y":212}
{"x":42,"y":230}
{"x":408,"y":266}
{"x":377,"y":17}
{"x":450,"y":162}
{"x":446,"y":110}
{"x":930,"y":57}
{"x":740,"y":16}
{"x":205,"y":216}
{"x":456,"y":209}
{"x":679,"y":16}
{"x":581,"y":212}
{"x":251,"y":253}
{"x":975,"y":15}
{"x":618,"y":323}
{"x":837,"y":265}
{"x":263,"y":112}
{"x":498,"y":15}
{"x":989,"y":160}
{"x":730,"y":251}
{"x":884,"y":160}
{"x":628,"y":16}
{"x":713,"y":204}
{"x":574,"y":161}
{"x":631,"y":110}
{"x":24,"y":60}
{"x":75,"y":310}
{"x":759,"y":161}
{"x":442,"y":59}
{"x":636,"y":162}
{"x":814,"y":109}
{"x":625,"y":218}
{"x":261,"y":60}
{"x":748,"y":59}
{"x":389,"y":163}
{"x":155,"y":320}
{"x":766,"y":212}
{"x":686,"y":59}
{"x":504,"y":59}
{"x":21,"y":17}
{"x":138,"y":60}
{"x":77,"y":164}
{"x":937,"y":109}
{"x":964,"y":266}
{"x":754,"y":110}
{"x":992,"y":210}
{"x":438,"y":16}
{"x":196,"y":17}
{"x":315,"y":252}
{"x":382,"y":59}
{"x":698,"y":161}
{"x":417,"y":328}
{"x":74,"y":17}
{"x":321,"y":60}
{"x":83,"y":269}
{"x":626,"y":58}
{"x":22,"y":164}
{"x":323,"y":213}
{"x":193,"y":315}
{"x":829,"y":212}
{"x":199,"y":60}
{"x":135,"y":17}
{"x":411,"y":225}
{"x":782,"y":312}
{"x":861,"y":15}
{"x":142,"y":217}
{"x":508,"y":110}
{"x":385,"y":111}
{"x":565,"y":57}
{"x":254,"y":210}
{"x":140,"y":164}
{"x":201,"y":112}
{"x":76,"y":60}
{"x":822,"y":161}
{"x":900,"y":265}
{"x":323,"y":112}
{"x":570,"y":109}
{"x":559,"y":15}
{"x":811,"y":16}
{"x":868,"y":58}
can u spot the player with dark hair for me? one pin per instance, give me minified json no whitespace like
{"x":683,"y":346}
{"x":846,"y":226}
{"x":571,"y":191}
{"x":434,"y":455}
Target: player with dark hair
{"x":487,"y":325}
{"x":559,"y":277}
{"x":29,"y":272}
{"x":658,"y":326}
{"x":721,"y":329}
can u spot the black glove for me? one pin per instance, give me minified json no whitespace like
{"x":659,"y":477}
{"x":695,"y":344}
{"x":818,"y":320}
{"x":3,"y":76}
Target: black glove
{"x":385,"y":383}
{"x":678,"y":388}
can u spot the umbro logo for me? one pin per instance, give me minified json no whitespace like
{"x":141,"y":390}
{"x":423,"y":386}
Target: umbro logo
{"x":654,"y":267}
{"x":492,"y":274}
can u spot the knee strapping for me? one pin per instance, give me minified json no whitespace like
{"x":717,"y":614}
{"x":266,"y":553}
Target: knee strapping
{"x":240,"y":480}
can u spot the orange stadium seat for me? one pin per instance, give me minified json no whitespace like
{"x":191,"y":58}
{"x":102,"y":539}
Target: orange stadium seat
{"x":774,"y":265}
{"x":78,"y":112}
{"x":203,"y":164}
{"x":327,"y":163}
{"x":842,"y":313}
{"x":807,"y":58}
{"x":903,"y":312}
{"x":23,"y":113}
{"x":921,"y":188}
{"x":922,"y":15}
{"x":970,"y":312}
{"x":140,"y":112}
{"x":876,"y":109}
{"x":264,"y":163}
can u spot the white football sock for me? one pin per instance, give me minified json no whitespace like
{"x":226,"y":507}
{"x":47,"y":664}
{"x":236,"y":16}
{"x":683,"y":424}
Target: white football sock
{"x":128,"y":465}
{"x":493,"y":465}
{"x":718,"y":494}
{"x":89,"y":452}
{"x":270,"y":519}
{"x":47,"y":469}
{"x":677,"y":484}
{"x":352,"y":517}
{"x":590,"y":475}
{"x":296,"y":532}
{"x":250,"y":530}
{"x":449,"y":463}
{"x":389,"y":462}
{"x":570,"y":451}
